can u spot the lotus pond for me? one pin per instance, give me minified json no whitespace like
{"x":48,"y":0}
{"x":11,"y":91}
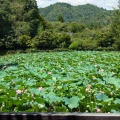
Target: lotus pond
{"x":78,"y":81}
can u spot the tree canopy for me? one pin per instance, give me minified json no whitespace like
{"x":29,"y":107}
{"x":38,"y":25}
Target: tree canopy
{"x":18,"y":17}
{"x":62,"y":26}
{"x":115,"y":26}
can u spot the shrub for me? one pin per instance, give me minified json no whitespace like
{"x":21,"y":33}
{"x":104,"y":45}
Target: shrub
{"x":24,"y":41}
{"x":64,"y":40}
{"x":76,"y":45}
{"x":88,"y":44}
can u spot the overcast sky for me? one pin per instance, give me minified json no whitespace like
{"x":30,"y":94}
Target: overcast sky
{"x":108,"y":4}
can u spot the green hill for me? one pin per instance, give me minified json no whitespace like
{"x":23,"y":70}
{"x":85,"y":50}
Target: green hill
{"x":86,"y":14}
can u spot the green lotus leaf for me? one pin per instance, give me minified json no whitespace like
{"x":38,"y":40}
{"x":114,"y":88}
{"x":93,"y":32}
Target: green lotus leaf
{"x":72,"y":102}
{"x":117,"y":101}
{"x":52,"y":97}
{"x":114,"y":81}
{"x":34,"y":91}
{"x":39,"y":100}
{"x":101,"y":96}
{"x":30,"y":83}
{"x":2,"y":74}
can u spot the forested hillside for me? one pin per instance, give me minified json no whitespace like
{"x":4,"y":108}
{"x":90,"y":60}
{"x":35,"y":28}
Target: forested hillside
{"x":87,"y":27}
{"x":86,"y":14}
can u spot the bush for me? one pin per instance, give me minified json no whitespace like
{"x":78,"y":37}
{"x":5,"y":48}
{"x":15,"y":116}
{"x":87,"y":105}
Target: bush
{"x":45,"y":40}
{"x":63,"y":40}
{"x":24,"y":41}
{"x":116,"y":45}
{"x":83,"y":45}
{"x":88,"y":44}
{"x":76,"y":45}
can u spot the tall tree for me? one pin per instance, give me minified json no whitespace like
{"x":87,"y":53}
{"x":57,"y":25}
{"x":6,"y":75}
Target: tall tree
{"x":5,"y":22}
{"x":17,"y":18}
{"x":116,"y":26}
{"x":60,"y":18}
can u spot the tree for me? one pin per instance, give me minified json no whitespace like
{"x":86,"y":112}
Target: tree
{"x":76,"y":27}
{"x":24,"y":41}
{"x":60,"y":18}
{"x":44,"y":24}
{"x":63,"y":40}
{"x":115,"y":26}
{"x":45,"y":40}
{"x":5,"y":22}
{"x":17,"y":18}
{"x":105,"y":38}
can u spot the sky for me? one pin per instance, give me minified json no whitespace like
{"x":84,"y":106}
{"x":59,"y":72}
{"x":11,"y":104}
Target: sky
{"x":107,"y":4}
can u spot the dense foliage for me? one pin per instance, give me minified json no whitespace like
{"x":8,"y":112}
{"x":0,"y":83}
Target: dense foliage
{"x":22,"y":26}
{"x":60,"y":82}
{"x":115,"y":26}
{"x":18,"y":17}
